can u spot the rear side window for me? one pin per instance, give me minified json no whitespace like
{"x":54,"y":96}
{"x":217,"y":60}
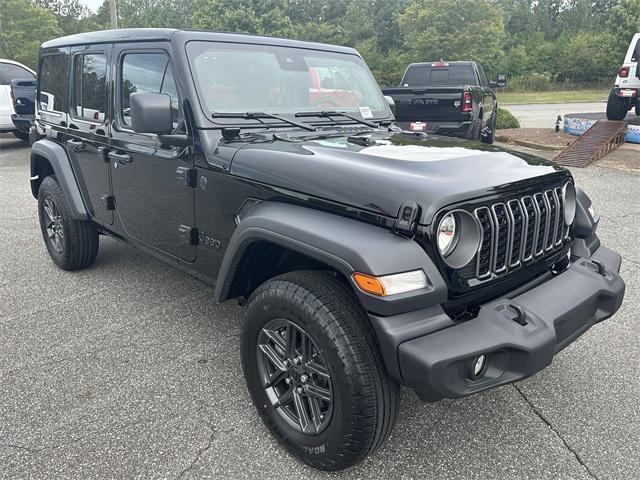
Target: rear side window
{"x":9,"y":71}
{"x":147,"y":73}
{"x":53,"y":78}
{"x":447,"y":75}
{"x":635,"y":56}
{"x":89,"y":86}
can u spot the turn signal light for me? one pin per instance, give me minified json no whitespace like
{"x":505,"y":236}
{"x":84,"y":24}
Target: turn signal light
{"x":391,"y":284}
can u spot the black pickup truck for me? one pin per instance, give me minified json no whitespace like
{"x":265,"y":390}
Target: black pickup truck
{"x":447,"y":98}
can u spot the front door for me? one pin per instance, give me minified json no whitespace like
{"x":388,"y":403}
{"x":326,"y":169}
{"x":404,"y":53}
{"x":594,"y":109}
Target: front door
{"x":87,"y":130}
{"x":152,"y":204}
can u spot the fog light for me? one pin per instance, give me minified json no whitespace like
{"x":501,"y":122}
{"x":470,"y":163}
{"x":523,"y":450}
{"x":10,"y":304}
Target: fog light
{"x":478,"y":366}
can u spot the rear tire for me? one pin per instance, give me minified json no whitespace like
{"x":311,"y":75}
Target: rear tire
{"x":476,"y":131}
{"x":492,"y":136}
{"x":72,"y":244}
{"x":617,"y":107}
{"x":363,"y":401}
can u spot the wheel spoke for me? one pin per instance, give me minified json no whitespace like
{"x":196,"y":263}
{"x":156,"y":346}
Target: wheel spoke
{"x":292,"y":337}
{"x":285,"y":398}
{"x":319,"y":370}
{"x":49,"y":210}
{"x":306,"y":349}
{"x":316,"y":416}
{"x":319,"y":392}
{"x":277,"y":339}
{"x":273,"y":357}
{"x":303,"y":416}
{"x":275,"y":378}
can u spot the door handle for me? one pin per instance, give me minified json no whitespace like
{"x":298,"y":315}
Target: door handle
{"x":76,"y":145}
{"x":120,"y":157}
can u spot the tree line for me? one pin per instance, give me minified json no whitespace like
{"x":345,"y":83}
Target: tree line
{"x":539,"y":44}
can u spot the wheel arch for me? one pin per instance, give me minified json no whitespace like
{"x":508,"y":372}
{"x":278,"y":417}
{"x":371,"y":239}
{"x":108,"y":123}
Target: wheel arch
{"x":313,"y":239}
{"x":49,"y":158}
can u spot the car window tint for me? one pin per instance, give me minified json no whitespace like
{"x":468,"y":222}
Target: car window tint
{"x":53,"y":77}
{"x":483,"y":77}
{"x":89,"y":86}
{"x":416,"y":75}
{"x":9,"y":71}
{"x":635,"y":56}
{"x":147,"y":73}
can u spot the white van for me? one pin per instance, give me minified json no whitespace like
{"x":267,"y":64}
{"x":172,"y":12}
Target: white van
{"x":10,"y":70}
{"x":624,"y":95}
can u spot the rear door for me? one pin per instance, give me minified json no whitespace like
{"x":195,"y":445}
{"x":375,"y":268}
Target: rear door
{"x":489,"y":97}
{"x":87,"y":134}
{"x":152,"y":204}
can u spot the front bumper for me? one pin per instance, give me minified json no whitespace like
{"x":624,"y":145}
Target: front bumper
{"x":437,"y":365}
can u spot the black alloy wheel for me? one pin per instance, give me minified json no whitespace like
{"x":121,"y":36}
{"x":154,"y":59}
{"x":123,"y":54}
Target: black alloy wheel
{"x":53,"y":224}
{"x":295,"y":376}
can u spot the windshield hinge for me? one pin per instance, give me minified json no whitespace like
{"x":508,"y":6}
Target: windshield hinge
{"x":407,"y":219}
{"x":187,"y":177}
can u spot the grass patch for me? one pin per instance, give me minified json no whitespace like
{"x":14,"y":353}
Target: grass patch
{"x":571,"y":96}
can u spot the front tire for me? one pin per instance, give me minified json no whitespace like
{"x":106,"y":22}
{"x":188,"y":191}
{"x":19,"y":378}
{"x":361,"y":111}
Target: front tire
{"x":72,"y":244}
{"x":617,"y":107}
{"x":313,"y":370}
{"x":24,"y":136}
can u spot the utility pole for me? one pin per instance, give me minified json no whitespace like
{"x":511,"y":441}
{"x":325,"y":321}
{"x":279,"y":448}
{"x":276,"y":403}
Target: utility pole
{"x":113,"y":14}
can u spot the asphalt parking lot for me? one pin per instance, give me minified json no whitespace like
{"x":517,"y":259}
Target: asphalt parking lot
{"x":130,"y":370}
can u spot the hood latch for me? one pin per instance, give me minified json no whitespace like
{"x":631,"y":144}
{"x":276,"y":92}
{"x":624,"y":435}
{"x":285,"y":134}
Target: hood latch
{"x":407,"y":219}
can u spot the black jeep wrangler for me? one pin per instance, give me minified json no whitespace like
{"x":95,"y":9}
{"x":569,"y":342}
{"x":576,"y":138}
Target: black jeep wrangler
{"x":366,"y":257}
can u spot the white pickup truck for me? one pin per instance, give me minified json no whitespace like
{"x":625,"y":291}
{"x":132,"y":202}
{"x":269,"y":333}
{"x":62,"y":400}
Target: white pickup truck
{"x":626,"y":92}
{"x":10,"y":70}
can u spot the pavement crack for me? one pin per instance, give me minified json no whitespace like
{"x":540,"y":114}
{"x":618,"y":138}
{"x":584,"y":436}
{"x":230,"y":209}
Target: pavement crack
{"x":199,"y":455}
{"x":566,"y":444}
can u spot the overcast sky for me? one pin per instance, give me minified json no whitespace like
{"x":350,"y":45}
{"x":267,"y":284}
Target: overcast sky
{"x":92,"y":4}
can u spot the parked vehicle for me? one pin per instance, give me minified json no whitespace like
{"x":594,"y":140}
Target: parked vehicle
{"x":624,"y":96}
{"x":447,"y":98}
{"x":9,"y":71}
{"x":366,"y":257}
{"x":23,"y":93}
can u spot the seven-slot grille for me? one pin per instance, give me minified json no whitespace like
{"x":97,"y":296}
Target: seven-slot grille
{"x":519,"y":230}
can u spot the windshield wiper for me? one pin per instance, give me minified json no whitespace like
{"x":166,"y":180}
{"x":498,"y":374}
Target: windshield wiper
{"x":260,"y":115}
{"x":332,"y":113}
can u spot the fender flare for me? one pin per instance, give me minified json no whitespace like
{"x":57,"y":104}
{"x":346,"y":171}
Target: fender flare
{"x":345,"y":244}
{"x":61,"y":165}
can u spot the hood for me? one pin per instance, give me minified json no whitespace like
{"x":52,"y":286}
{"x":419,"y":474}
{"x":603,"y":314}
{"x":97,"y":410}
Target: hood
{"x":382,"y":170}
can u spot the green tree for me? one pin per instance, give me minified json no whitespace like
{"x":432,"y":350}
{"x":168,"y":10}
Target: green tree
{"x":454,"y":30}
{"x":23,"y":28}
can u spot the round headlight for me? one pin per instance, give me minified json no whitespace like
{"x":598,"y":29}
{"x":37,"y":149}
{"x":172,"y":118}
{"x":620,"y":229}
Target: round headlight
{"x":446,"y":234}
{"x":458,"y":238}
{"x":569,"y":202}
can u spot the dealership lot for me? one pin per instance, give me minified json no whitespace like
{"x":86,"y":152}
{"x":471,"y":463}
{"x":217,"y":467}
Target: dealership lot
{"x":129,"y":369}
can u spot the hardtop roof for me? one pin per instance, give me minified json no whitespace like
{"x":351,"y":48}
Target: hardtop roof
{"x":169,"y":34}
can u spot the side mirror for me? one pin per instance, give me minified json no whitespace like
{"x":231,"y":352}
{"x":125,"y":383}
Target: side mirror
{"x":501,"y":82}
{"x":151,"y":113}
{"x":392,"y":104}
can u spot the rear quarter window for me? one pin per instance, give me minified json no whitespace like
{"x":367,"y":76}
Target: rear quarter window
{"x":53,"y":81}
{"x":9,"y":71}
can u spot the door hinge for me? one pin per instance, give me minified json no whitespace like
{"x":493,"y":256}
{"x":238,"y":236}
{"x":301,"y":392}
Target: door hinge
{"x":190,"y":235}
{"x":407,"y":219}
{"x":109,"y":202}
{"x":187,"y":177}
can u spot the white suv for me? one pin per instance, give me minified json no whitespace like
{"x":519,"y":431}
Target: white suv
{"x":624,"y":95}
{"x":10,"y":70}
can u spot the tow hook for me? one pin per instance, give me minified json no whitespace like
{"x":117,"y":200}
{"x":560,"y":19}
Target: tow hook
{"x":600,"y":268}
{"x":521,"y":316}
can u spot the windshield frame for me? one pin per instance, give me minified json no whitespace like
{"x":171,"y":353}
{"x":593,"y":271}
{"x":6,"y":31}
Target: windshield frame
{"x":222,"y":121}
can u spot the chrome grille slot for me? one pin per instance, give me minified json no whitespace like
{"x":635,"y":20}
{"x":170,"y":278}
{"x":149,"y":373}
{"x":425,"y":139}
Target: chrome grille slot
{"x":519,"y":230}
{"x":501,"y":220}
{"x":486,"y":242}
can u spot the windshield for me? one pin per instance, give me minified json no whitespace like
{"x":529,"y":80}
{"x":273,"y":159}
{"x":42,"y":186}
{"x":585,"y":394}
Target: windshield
{"x":232,"y":78}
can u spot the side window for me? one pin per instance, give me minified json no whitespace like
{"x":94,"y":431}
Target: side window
{"x":89,"y":86}
{"x":635,"y":56}
{"x":9,"y":71}
{"x":483,"y":77}
{"x":53,"y":80}
{"x":147,"y":73}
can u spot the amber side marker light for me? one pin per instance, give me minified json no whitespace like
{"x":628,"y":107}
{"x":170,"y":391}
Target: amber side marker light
{"x":391,"y":284}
